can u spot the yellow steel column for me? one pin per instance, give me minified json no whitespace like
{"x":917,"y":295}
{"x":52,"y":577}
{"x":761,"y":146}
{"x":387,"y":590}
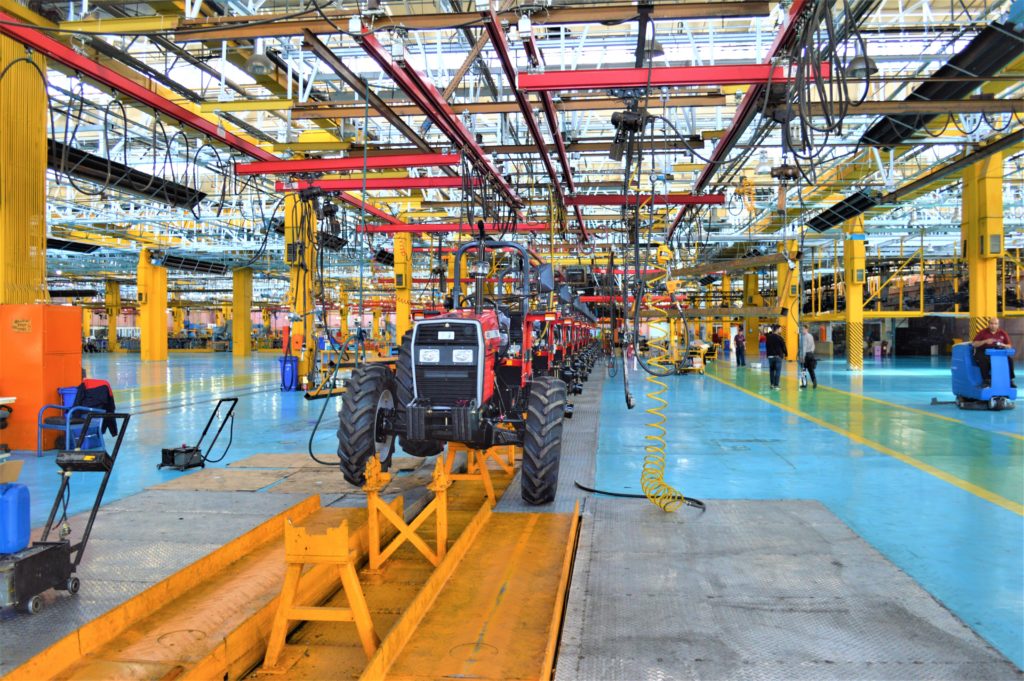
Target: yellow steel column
{"x":343,"y":315}
{"x":751,"y":325}
{"x":726,"y":304}
{"x":241,"y":313}
{"x":982,"y":230}
{"x":300,"y":255}
{"x":86,"y":322}
{"x":789,"y":298}
{"x":403,"y":285}
{"x":375,"y":324}
{"x":177,"y":318}
{"x":112,"y":303}
{"x":152,"y":283}
{"x":23,"y":158}
{"x":853,"y":282}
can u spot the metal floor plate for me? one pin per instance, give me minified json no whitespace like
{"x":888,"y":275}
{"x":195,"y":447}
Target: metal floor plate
{"x":752,"y":590}
{"x":579,"y":445}
{"x":136,"y":542}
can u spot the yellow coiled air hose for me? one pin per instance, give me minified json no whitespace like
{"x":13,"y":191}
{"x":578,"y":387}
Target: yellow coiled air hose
{"x":652,"y":477}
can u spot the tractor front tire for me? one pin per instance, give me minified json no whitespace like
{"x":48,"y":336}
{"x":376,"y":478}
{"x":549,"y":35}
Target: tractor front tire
{"x":404,"y":394}
{"x":371,"y":389}
{"x":542,"y":447}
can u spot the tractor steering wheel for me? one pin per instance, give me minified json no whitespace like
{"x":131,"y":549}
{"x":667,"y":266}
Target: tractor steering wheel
{"x":487,"y":301}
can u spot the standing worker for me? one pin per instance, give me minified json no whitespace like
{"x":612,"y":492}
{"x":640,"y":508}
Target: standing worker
{"x":807,"y":355}
{"x":775,"y":346}
{"x":991,"y":337}
{"x":741,"y":349}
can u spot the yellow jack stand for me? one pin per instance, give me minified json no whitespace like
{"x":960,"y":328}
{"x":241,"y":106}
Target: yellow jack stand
{"x":476,"y":464}
{"x":377,"y":480}
{"x":302,"y":548}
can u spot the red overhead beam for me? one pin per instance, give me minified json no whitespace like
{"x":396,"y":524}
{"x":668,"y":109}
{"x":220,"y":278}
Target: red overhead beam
{"x":368,"y":208}
{"x":377,"y":183}
{"x":97,"y":73}
{"x":748,"y":105}
{"x":451,"y":227}
{"x":333,"y":165}
{"x":436,"y":107}
{"x":60,"y":52}
{"x":548,"y":104}
{"x":662,"y":76}
{"x":497,"y":36}
{"x":657,"y":199}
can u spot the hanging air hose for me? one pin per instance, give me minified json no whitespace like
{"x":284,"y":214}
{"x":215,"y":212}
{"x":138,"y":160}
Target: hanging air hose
{"x":652,"y":477}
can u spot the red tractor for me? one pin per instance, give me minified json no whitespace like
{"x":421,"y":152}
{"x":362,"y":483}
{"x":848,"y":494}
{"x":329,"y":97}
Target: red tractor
{"x":464,"y":376}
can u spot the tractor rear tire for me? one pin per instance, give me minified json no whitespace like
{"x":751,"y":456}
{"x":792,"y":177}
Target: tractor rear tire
{"x":370,"y":389}
{"x":542,"y":447}
{"x":404,"y":395}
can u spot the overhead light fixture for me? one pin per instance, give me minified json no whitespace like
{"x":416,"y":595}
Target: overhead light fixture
{"x":861,"y":66}
{"x":259,"y":64}
{"x":653,"y":50}
{"x":398,"y":47}
{"x":525,"y":27}
{"x":764,"y":166}
{"x":372,"y":8}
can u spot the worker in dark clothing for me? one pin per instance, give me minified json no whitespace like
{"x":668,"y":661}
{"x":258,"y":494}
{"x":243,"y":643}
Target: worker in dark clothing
{"x":991,"y":337}
{"x":775,"y":346}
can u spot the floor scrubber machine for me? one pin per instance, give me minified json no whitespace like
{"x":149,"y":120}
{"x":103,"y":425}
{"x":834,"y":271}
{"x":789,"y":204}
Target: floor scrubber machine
{"x":967,"y":381}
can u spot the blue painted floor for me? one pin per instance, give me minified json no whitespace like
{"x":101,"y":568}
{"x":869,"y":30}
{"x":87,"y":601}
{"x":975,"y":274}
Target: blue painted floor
{"x":938,"y":491}
{"x":170,"y":403}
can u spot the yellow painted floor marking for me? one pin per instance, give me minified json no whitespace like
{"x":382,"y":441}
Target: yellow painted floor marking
{"x":923,"y":412}
{"x":980,"y":492}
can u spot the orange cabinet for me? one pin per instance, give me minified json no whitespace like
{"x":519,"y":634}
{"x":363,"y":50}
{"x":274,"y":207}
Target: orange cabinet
{"x":40,"y":351}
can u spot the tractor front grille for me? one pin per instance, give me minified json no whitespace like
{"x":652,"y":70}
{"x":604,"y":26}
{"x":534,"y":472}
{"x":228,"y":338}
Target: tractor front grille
{"x":446,"y":383}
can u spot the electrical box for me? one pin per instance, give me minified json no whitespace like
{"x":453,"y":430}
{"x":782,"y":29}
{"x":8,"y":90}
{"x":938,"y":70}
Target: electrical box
{"x":294,"y":252}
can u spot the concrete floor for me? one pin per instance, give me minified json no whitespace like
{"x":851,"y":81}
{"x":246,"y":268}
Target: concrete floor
{"x":938,"y":492}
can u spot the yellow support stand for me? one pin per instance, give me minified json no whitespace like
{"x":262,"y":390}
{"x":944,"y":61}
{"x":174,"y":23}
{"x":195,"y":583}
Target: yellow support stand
{"x":332,"y":548}
{"x":476,"y":464}
{"x":376,"y":481}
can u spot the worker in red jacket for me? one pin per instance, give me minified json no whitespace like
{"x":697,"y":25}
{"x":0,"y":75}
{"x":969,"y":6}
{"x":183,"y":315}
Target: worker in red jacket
{"x":987,"y":338}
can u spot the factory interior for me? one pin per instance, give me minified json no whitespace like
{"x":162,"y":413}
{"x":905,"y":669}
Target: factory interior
{"x":511,"y":339}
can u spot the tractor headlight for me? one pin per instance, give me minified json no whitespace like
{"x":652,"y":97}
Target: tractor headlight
{"x":462,"y":356}
{"x":429,"y":356}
